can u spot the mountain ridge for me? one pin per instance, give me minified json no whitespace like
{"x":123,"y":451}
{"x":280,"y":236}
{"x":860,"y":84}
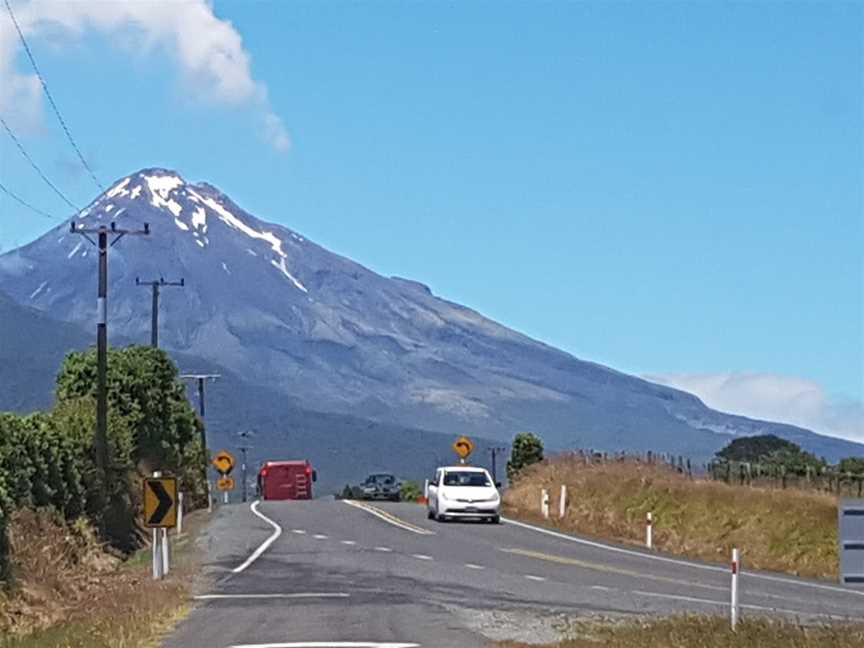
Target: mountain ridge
{"x":286,"y":314}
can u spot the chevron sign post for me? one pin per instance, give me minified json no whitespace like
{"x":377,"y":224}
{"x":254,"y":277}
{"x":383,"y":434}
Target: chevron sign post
{"x":160,"y":514}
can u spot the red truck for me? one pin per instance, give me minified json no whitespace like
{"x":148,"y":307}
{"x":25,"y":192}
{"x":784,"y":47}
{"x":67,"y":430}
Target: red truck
{"x":286,"y":480}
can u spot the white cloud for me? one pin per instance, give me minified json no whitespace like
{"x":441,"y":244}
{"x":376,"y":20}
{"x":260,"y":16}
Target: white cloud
{"x":208,"y":50}
{"x":774,"y":397}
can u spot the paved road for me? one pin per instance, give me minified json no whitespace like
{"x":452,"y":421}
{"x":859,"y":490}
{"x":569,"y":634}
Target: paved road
{"x":386,"y":575}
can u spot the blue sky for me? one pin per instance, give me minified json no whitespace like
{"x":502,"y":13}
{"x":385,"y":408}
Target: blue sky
{"x":674,"y":190}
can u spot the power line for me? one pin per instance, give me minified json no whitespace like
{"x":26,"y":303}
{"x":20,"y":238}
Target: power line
{"x":23,"y":202}
{"x":36,"y":166}
{"x":50,"y":98}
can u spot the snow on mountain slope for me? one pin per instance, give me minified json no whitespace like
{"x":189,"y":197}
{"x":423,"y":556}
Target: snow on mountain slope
{"x":283,"y":312}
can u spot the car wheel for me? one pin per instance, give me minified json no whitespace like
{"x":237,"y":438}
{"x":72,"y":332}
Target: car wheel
{"x":430,"y":514}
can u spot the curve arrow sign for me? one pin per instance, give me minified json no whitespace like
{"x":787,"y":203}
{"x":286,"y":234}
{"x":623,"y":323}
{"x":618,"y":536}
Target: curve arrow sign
{"x":160,"y":497}
{"x":463,"y":447}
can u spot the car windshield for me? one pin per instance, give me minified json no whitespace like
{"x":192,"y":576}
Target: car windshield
{"x":466,"y":479}
{"x":381,"y":479}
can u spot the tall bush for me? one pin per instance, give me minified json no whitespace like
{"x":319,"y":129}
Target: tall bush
{"x":527,"y":450}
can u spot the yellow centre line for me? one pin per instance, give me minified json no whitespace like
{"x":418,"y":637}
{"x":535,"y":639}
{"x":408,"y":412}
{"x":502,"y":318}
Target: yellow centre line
{"x":389,"y":517}
{"x":561,"y":560}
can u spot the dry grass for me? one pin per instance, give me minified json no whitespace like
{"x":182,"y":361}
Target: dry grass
{"x":778,"y":530}
{"x":71,"y":594}
{"x":707,"y":631}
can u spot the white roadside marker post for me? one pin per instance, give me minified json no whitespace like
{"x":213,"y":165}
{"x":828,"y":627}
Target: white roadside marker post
{"x":544,"y":503}
{"x":156,"y":546}
{"x":649,"y":530}
{"x":166,"y":558}
{"x":225,"y":497}
{"x":562,"y":503}
{"x":426,"y":489}
{"x":179,"y":513}
{"x":209,"y":496}
{"x":736,"y":568}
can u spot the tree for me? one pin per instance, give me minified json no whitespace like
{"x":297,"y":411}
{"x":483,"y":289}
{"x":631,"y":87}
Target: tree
{"x":756,"y":449}
{"x":772,"y":450}
{"x":527,"y":450}
{"x":854,"y":465}
{"x":144,"y":389}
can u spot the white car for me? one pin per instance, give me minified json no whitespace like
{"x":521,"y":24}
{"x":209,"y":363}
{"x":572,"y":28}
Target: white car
{"x":463,"y":492}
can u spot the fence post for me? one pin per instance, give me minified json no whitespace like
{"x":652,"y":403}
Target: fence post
{"x":649,"y":530}
{"x":736,"y":568}
{"x":544,"y":503}
{"x":562,"y":503}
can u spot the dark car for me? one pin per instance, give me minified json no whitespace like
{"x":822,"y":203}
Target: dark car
{"x":381,"y":486}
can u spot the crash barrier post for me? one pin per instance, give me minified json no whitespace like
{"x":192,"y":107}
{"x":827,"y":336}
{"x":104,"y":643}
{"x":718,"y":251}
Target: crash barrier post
{"x":544,"y":503}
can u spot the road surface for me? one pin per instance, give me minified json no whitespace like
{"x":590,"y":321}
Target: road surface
{"x":326,"y":573}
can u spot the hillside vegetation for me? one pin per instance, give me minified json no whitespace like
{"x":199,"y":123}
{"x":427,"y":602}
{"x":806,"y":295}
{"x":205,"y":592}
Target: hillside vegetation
{"x":779,"y":530}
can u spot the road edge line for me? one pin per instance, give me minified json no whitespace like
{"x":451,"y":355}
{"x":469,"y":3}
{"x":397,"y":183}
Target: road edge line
{"x":675,"y":561}
{"x":264,"y":545}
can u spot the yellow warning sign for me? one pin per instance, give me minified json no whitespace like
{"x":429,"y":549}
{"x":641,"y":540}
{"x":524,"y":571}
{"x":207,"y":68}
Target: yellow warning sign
{"x":223,"y":462}
{"x":463,"y":446}
{"x":160,"y":502}
{"x":225,"y":484}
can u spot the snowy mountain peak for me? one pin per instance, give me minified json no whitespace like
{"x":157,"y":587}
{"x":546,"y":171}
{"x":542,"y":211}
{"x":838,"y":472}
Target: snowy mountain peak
{"x":197,"y":217}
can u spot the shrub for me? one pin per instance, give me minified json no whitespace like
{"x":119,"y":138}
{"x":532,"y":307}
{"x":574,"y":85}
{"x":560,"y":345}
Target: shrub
{"x":527,"y":450}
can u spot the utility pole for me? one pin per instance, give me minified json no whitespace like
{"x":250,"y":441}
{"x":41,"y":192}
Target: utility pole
{"x":154,"y":314}
{"x":102,"y":233}
{"x":494,"y":452}
{"x":244,"y":448}
{"x":200,"y":378}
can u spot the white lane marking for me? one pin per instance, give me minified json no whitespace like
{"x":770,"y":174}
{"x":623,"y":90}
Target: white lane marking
{"x":534,"y":578}
{"x":761,"y":608}
{"x":298,"y":531}
{"x":422,"y":557}
{"x":350,"y":543}
{"x":383,"y":549}
{"x":639,"y":554}
{"x":319,"y":536}
{"x":277,"y":531}
{"x":389,"y":519}
{"x":329,"y":644}
{"x":601,"y":588}
{"x":296,"y":595}
{"x":473,"y":566}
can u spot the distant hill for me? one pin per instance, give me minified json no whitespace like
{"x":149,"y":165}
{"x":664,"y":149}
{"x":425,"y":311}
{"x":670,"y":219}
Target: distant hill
{"x":298,"y":321}
{"x":32,"y":346}
{"x":343,"y":448}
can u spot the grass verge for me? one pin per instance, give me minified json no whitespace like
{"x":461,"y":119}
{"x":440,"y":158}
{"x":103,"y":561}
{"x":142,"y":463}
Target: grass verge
{"x":778,"y":530}
{"x":117,"y":606}
{"x":707,"y":631}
